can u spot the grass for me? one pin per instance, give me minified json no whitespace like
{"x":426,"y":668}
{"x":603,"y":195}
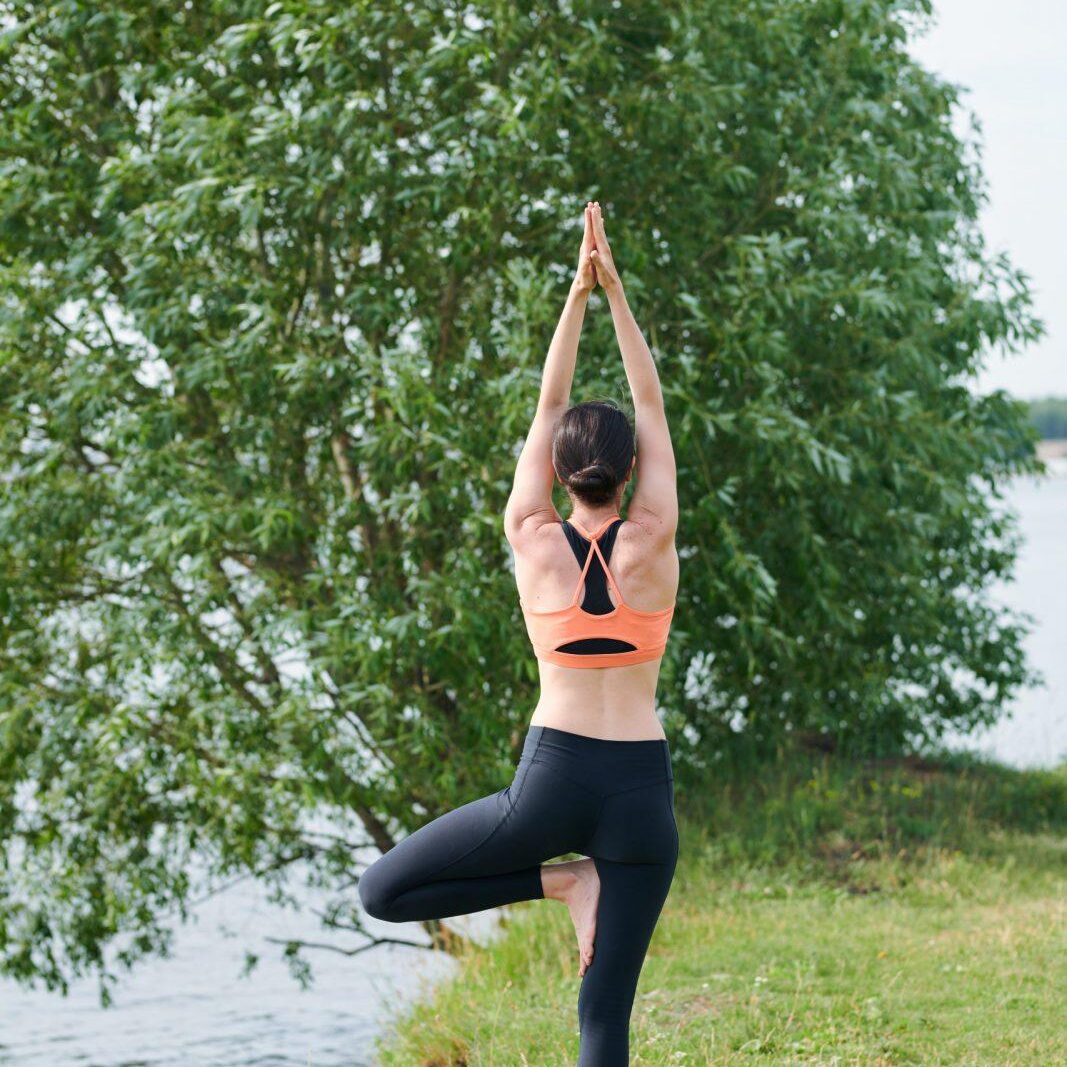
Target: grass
{"x":823,"y":913}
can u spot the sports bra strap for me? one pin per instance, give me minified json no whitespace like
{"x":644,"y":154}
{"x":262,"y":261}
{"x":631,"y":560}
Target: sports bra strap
{"x":598,"y":531}
{"x":595,"y":547}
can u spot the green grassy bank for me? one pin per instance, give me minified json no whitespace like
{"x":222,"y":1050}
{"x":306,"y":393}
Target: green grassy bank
{"x":822,"y":913}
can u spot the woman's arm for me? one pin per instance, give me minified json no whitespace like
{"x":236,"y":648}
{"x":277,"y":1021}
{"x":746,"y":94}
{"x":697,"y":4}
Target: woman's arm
{"x":655,"y":499}
{"x":531,"y":492}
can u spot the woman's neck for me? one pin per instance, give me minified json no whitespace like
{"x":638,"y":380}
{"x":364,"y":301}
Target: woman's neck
{"x":591,"y":518}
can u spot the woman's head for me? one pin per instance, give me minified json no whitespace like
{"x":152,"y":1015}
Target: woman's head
{"x":593,"y":451}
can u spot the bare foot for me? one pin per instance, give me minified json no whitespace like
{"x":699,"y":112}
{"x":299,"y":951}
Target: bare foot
{"x":577,"y":884}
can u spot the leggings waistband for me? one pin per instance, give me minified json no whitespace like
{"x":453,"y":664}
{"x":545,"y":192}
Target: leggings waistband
{"x":608,"y":764}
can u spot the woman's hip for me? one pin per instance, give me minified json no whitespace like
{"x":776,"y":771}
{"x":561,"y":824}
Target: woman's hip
{"x":616,"y":798}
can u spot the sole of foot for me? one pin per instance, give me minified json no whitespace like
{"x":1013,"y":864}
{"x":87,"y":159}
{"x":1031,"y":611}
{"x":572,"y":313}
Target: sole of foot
{"x":577,"y":884}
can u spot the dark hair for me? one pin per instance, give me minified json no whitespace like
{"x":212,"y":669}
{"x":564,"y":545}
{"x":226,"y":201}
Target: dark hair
{"x":592,"y":450}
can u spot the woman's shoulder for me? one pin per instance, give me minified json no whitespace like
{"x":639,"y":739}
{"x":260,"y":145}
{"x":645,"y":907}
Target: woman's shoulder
{"x":646,"y":528}
{"x":528,"y":531}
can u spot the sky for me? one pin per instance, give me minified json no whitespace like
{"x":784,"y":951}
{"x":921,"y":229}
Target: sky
{"x":1011,"y":56}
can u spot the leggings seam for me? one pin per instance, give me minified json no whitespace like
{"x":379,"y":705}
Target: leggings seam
{"x":642,"y":785}
{"x":566,"y":777}
{"x":522,"y":785}
{"x":451,"y":863}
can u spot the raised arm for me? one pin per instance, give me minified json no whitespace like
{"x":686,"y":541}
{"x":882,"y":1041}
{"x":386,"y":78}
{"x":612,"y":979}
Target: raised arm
{"x":531,"y":492}
{"x":654,"y":503}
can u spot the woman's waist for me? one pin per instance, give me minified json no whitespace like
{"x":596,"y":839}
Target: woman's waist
{"x":604,"y":764}
{"x":630,"y":722}
{"x":626,"y":691}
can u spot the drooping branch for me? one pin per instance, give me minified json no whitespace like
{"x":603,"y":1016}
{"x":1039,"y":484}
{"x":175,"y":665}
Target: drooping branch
{"x":372,"y":942}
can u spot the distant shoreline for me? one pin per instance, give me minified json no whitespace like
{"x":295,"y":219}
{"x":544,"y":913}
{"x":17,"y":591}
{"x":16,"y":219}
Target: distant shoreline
{"x":1052,"y":448}
{"x":1052,"y":451}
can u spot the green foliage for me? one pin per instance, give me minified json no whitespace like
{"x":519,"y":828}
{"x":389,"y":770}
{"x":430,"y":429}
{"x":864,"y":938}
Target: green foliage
{"x":278,"y":279}
{"x":1049,"y":416}
{"x":803,"y":810}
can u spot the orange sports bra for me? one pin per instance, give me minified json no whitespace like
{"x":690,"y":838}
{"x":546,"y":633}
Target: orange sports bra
{"x":645,"y":632}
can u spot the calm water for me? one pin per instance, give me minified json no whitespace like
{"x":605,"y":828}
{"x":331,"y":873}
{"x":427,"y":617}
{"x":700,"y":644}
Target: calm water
{"x":1035,"y":733}
{"x":195,"y":1010}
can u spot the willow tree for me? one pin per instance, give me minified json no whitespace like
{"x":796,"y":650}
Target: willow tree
{"x":278,"y":280}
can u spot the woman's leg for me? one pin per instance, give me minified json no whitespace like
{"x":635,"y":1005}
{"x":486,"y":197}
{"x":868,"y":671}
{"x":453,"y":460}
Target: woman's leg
{"x":638,"y":831}
{"x":489,"y":852}
{"x":424,"y":876}
{"x":481,"y":855}
{"x":631,"y":898}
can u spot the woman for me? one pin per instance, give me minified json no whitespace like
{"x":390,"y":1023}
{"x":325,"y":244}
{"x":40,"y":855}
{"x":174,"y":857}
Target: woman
{"x":595,"y":774}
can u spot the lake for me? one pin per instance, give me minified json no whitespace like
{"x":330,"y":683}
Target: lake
{"x":1035,"y":733}
{"x":195,"y":1010}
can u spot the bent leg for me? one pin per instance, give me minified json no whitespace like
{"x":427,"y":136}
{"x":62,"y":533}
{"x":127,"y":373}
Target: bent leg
{"x":481,"y":855}
{"x":631,"y":898}
{"x":411,"y":881}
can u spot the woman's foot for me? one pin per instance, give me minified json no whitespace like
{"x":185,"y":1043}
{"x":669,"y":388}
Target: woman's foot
{"x":577,"y":884}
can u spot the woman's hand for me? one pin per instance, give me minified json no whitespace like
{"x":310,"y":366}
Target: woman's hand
{"x":585,"y":278}
{"x":606,"y":273}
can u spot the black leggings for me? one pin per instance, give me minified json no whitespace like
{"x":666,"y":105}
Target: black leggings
{"x":611,"y":800}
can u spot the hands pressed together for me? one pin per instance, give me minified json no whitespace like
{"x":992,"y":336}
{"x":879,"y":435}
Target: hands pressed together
{"x":595,"y":263}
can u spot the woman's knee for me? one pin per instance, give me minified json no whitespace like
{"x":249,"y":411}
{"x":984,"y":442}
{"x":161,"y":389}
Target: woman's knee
{"x":376,"y":890}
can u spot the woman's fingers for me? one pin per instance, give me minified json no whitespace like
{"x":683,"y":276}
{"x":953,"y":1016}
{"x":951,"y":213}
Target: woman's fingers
{"x":598,"y":227}
{"x":585,"y":276}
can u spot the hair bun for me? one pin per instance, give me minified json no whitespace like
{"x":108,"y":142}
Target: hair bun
{"x":594,"y":482}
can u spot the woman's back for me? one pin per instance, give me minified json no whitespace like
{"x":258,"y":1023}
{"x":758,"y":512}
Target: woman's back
{"x":610,"y":701}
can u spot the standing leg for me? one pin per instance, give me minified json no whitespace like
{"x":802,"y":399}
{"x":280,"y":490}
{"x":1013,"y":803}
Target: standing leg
{"x":631,"y":898}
